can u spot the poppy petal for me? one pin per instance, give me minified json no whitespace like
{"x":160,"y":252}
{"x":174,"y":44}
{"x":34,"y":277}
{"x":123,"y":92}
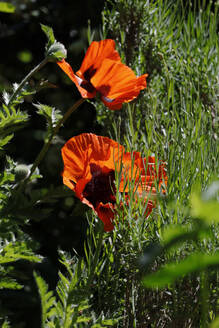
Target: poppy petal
{"x":77,"y":80}
{"x":90,"y":162}
{"x":96,"y":53}
{"x":117,"y":83}
{"x":143,"y":172}
{"x":106,"y":213}
{"x":80,"y":151}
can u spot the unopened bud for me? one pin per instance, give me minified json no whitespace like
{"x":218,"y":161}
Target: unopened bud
{"x":56,"y":52}
{"x":21,"y":172}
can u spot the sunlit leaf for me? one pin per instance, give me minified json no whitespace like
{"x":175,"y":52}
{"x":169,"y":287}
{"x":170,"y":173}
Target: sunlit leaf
{"x":6,"y":324}
{"x":9,"y":283}
{"x":7,"y":7}
{"x":11,"y":120}
{"x":169,"y":273}
{"x":18,"y":251}
{"x":5,"y":140}
{"x":206,"y":210}
{"x":49,"y":33}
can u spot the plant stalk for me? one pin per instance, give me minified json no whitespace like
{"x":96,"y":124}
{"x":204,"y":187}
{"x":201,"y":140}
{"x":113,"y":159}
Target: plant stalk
{"x":96,"y":257}
{"x":27,"y":77}
{"x":55,"y":131}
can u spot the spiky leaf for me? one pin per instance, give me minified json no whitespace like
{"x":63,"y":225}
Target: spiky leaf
{"x":47,"y":300}
{"x":11,"y":120}
{"x":9,"y":283}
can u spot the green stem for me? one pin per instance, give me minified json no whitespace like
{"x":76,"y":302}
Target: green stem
{"x":204,"y":299}
{"x":96,"y":257}
{"x":55,"y":131}
{"x":36,"y":69}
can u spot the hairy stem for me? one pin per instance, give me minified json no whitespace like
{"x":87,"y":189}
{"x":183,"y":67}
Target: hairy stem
{"x":55,"y":131}
{"x":27,"y":77}
{"x":46,"y":146}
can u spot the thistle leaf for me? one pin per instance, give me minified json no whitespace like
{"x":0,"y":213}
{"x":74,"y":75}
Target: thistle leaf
{"x":11,"y":120}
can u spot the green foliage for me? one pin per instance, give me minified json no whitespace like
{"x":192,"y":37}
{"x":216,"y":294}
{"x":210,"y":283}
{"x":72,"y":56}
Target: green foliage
{"x":70,"y":307}
{"x":175,"y":118}
{"x":196,"y":264}
{"x":10,"y":120}
{"x":172,"y":271}
{"x":17,"y":251}
{"x":6,"y":7}
{"x":6,"y":324}
{"x":11,"y":252}
{"x":50,"y":35}
{"x":206,"y":210}
{"x":51,"y":115}
{"x":215,"y":323}
{"x":5,"y":140}
{"x":9,"y":283}
{"x":47,"y":300}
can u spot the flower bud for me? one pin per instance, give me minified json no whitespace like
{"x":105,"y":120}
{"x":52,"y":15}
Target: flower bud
{"x":21,"y":172}
{"x":56,"y":52}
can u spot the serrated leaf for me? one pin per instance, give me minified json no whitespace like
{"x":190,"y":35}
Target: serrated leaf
{"x":169,"y":273}
{"x":17,"y":251}
{"x":51,"y":114}
{"x":9,"y":283}
{"x":47,"y":299}
{"x":11,"y":120}
{"x":6,"y":7}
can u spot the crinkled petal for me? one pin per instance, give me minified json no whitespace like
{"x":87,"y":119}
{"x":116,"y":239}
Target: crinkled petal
{"x":117,"y":83}
{"x":87,"y":148}
{"x":96,"y":53}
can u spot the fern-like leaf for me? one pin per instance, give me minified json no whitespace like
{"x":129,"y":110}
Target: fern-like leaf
{"x":17,"y":251}
{"x":11,"y":120}
{"x":9,"y":283}
{"x":48,"y":301}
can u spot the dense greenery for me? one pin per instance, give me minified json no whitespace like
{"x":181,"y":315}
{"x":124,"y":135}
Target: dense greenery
{"x":58,"y":268}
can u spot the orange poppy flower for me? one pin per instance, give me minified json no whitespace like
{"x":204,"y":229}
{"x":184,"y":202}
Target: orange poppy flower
{"x":90,"y":162}
{"x":102,"y":71}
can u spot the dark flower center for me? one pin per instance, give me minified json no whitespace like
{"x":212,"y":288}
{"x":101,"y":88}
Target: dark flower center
{"x":86,"y":84}
{"x":89,"y":73}
{"x":101,"y":187}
